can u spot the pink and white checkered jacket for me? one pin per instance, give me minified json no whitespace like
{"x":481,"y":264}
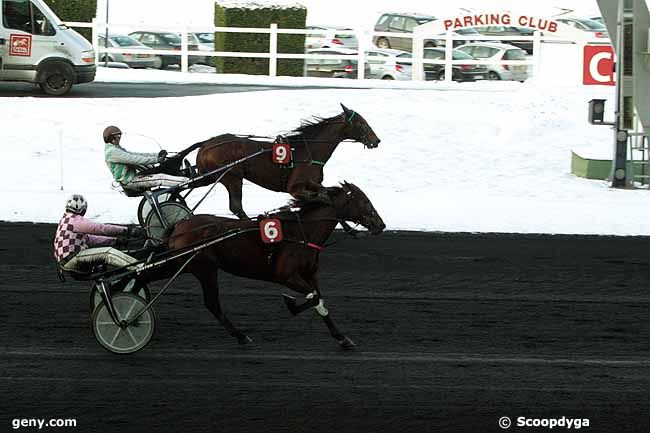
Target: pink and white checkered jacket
{"x":76,"y":233}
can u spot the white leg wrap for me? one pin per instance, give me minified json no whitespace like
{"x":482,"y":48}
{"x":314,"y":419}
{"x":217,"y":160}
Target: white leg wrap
{"x":320,"y":308}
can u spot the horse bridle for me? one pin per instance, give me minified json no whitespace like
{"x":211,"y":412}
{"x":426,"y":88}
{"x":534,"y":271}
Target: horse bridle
{"x":365,"y":129}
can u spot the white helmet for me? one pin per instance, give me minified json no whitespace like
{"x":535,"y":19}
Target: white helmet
{"x":76,"y":204}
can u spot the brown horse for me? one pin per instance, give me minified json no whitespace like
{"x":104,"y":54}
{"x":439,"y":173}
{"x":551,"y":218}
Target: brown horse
{"x":293,"y":262}
{"x":314,"y":142}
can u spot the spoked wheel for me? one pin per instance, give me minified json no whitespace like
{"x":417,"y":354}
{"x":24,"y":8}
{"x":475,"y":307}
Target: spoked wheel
{"x":124,"y":338}
{"x":145,"y":207}
{"x":171,"y":212}
{"x":134,"y":286}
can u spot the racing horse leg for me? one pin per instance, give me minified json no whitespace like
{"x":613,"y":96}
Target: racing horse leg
{"x":207,"y":274}
{"x":314,"y":300}
{"x":234,"y":186}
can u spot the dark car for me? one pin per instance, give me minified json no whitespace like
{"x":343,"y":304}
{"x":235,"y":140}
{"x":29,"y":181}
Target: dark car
{"x":165,"y":41}
{"x":334,"y":68}
{"x":507,"y":31}
{"x":405,"y":23}
{"x":459,"y":72}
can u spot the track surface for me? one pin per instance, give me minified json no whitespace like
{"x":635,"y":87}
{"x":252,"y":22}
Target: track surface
{"x":453,"y":332}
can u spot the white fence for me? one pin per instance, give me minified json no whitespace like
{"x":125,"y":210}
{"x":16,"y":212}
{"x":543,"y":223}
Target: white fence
{"x":364,"y":38}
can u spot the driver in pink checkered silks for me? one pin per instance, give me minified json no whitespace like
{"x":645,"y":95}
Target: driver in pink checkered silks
{"x":80,"y":244}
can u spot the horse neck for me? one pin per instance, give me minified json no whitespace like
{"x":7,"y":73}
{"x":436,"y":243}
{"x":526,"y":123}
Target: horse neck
{"x":322,"y":144}
{"x":318,"y":224}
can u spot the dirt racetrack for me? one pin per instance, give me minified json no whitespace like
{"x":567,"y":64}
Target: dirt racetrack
{"x":454,"y":331}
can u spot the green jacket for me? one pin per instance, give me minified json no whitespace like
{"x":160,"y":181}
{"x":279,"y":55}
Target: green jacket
{"x":124,"y":165}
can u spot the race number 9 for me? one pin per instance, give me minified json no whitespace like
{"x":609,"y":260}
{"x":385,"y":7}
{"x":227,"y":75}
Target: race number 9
{"x":281,"y":153}
{"x":271,"y":230}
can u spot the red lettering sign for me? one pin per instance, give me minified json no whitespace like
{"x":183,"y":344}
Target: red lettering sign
{"x":598,"y":66}
{"x":20,"y":45}
{"x":271,"y":230}
{"x":282,"y":153}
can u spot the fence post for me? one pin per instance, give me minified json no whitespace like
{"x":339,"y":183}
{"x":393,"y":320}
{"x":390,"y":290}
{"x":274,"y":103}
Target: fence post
{"x":537,"y":54}
{"x":417,"y":67}
{"x":273,"y":51}
{"x":94,"y":39}
{"x":184,"y":47}
{"x":361,"y":56}
{"x":449,"y":56}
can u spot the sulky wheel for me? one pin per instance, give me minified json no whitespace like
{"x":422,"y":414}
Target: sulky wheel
{"x":171,"y":212}
{"x":145,"y":207}
{"x":124,"y":338}
{"x":133,"y":286}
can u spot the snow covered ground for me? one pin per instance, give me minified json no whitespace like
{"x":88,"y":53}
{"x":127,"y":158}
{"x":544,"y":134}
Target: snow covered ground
{"x":478,"y":157}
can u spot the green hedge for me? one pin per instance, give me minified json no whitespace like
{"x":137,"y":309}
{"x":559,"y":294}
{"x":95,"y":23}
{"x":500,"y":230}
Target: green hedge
{"x":75,"y":10}
{"x":288,"y":18}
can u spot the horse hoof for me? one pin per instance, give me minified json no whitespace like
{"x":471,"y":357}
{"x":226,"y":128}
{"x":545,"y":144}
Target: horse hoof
{"x":290,"y":302}
{"x":245,"y":339}
{"x":346,"y":343}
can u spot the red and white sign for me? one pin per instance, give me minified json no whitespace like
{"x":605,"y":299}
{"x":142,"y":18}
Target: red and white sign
{"x":501,"y":19}
{"x":282,"y":153}
{"x":271,"y":230}
{"x":598,"y":68}
{"x":20,"y":45}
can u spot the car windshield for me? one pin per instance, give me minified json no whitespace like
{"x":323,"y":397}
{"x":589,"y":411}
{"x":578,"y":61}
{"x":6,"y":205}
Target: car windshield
{"x":424,"y":20}
{"x":469,"y":31}
{"x":205,"y":37}
{"x":125,"y":41}
{"x":592,"y":25}
{"x":171,"y":37}
{"x":459,"y":55}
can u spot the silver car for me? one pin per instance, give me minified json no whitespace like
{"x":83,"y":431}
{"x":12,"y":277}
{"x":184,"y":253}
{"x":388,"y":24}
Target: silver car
{"x":388,"y":66}
{"x":140,"y":60}
{"x":498,"y":52}
{"x":328,"y":37}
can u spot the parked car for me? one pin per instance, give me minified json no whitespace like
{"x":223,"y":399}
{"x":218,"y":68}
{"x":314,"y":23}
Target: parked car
{"x":498,"y":52}
{"x":405,"y":23}
{"x":329,"y":37}
{"x":597,"y":28}
{"x":459,"y":72}
{"x":506,"y":31}
{"x":334,"y":68}
{"x":165,"y":41}
{"x":140,"y":60}
{"x":598,"y":19}
{"x":388,"y":67}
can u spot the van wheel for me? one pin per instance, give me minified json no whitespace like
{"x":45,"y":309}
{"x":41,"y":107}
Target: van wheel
{"x":383,"y":43}
{"x":57,"y":79}
{"x":158,"y":62}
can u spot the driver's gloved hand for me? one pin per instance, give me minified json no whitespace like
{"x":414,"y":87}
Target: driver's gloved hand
{"x":162,"y":155}
{"x":135,"y":232}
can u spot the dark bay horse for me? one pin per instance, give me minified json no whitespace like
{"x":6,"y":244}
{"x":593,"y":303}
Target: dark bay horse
{"x":314,"y":142}
{"x":293,"y":262}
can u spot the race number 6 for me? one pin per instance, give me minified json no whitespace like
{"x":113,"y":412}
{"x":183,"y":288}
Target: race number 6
{"x":281,"y":153}
{"x":271,"y":230}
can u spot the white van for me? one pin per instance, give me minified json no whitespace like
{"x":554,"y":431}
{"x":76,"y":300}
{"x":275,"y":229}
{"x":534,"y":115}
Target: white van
{"x":36,"y":47}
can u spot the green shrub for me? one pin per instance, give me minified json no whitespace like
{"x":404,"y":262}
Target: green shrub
{"x":240,"y":16}
{"x":75,"y":10}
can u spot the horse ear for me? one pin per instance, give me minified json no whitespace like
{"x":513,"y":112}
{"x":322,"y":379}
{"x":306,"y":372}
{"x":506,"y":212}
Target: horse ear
{"x":346,"y":110}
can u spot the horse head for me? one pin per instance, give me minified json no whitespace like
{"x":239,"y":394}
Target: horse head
{"x":353,"y":205}
{"x":357,"y":129}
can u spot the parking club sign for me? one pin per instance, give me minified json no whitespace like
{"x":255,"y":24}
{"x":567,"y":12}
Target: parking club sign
{"x":20,"y":45}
